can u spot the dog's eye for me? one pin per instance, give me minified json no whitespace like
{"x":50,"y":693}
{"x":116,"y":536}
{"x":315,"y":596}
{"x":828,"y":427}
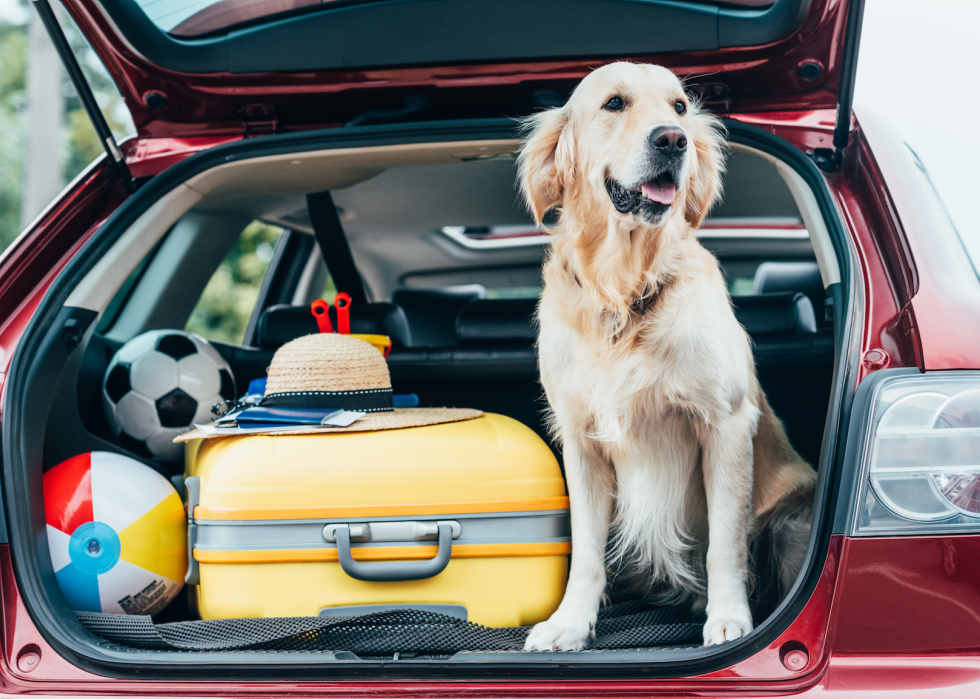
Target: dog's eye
{"x":680,"y":107}
{"x":615,"y":104}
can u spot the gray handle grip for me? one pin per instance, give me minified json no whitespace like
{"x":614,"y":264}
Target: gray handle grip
{"x":395,"y":571}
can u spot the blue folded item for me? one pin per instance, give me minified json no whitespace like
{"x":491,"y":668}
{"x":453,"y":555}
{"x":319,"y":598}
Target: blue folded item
{"x":258,"y":415}
{"x":280,"y":416}
{"x":256,"y":387}
{"x":405,"y":400}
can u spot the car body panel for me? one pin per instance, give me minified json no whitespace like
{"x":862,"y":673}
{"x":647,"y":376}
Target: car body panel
{"x":853,"y":621}
{"x":910,"y":595}
{"x":947,"y":288}
{"x":31,"y":262}
{"x":812,"y":628}
{"x":746,"y":79}
{"x":845,"y":673}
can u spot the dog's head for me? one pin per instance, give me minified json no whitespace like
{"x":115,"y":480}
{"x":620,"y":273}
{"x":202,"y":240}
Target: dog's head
{"x":629,"y":144}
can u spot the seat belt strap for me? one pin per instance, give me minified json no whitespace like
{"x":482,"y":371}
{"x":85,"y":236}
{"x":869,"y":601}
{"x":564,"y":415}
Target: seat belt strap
{"x":329,"y":235}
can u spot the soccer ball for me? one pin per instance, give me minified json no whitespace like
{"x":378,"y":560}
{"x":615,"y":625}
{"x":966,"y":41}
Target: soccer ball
{"x":158,"y":385}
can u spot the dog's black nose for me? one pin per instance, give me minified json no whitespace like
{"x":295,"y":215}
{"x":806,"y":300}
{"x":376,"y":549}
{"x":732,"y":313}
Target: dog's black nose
{"x":668,"y":140}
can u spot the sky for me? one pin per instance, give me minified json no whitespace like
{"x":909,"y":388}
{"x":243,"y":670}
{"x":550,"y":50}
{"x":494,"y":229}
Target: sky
{"x":13,"y":11}
{"x":911,"y":74}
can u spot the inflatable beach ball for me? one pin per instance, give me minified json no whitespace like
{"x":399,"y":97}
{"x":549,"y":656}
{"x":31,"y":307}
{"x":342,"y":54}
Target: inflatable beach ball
{"x":117,"y":532}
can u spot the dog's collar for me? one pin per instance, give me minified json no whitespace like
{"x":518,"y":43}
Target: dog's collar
{"x":644,"y":302}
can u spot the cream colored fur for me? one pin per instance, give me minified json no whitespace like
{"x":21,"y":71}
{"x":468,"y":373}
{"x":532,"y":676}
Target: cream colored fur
{"x":672,"y":454}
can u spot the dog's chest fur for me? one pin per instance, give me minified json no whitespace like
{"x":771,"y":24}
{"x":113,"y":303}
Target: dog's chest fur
{"x":685,"y":355}
{"x":640,"y":398}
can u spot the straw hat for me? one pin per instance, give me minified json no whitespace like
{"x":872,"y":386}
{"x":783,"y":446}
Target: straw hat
{"x":334,"y":371}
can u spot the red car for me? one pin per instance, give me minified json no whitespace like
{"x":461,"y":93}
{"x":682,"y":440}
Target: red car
{"x":862,"y":303}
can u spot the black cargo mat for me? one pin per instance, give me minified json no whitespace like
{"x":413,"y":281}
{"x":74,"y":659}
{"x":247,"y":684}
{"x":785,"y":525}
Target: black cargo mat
{"x":632,"y":624}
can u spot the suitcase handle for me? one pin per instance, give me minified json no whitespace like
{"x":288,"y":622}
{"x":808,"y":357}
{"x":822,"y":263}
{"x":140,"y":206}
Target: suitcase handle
{"x":395,"y":571}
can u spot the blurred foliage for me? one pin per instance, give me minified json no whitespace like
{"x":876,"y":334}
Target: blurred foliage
{"x":223,"y":311}
{"x":13,"y":56}
{"x":741,"y":286}
{"x":329,"y":289}
{"x":81,"y":145}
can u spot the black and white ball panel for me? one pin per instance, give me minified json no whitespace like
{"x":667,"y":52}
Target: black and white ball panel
{"x":176,"y":346}
{"x":158,"y":385}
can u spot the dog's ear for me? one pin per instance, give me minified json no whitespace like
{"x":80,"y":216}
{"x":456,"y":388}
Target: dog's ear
{"x":544,"y":161}
{"x":705,"y":180}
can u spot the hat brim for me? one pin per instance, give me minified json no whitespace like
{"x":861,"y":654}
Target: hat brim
{"x":396,"y":419}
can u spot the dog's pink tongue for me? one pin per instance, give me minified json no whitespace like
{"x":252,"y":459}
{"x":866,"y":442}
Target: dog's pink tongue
{"x":660,"y":193}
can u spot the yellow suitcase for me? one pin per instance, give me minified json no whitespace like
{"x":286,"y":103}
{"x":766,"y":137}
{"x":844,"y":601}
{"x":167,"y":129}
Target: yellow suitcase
{"x":465,"y":518}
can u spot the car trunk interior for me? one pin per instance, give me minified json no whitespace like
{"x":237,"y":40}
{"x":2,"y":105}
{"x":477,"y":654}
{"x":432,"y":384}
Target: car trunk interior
{"x":460,"y":319}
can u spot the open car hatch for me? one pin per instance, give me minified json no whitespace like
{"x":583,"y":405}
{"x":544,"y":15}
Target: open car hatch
{"x":227,"y":67}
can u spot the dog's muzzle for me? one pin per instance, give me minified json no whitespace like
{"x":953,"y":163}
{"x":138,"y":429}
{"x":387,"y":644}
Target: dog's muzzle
{"x":654,"y":196}
{"x":652,"y":199}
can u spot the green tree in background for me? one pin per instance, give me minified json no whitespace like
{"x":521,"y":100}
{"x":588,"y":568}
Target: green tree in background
{"x":224,"y":309}
{"x":82,"y":144}
{"x":13,"y":50}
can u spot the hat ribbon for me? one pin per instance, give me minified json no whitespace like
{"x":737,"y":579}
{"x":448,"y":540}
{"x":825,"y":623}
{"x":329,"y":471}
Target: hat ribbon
{"x":368,"y":400}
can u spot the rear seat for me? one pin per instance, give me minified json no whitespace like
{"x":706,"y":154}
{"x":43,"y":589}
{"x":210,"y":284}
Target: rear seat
{"x":506,"y":321}
{"x":491,"y":362}
{"x":785,"y":313}
{"x":493,"y":366}
{"x":510,"y":321}
{"x":281,"y":323}
{"x":432,"y":313}
{"x":775,"y":277}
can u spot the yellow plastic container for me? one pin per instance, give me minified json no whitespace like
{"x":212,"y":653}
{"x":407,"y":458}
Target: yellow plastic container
{"x":382,"y":343}
{"x":303,"y":525}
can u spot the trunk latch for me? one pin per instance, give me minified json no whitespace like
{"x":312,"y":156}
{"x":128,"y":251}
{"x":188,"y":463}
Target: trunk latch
{"x":258,"y":119}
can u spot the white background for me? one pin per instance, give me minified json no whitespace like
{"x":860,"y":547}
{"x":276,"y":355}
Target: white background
{"x":917,"y":71}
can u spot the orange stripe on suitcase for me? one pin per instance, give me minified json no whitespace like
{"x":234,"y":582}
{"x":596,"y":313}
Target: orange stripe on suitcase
{"x":384,"y":553}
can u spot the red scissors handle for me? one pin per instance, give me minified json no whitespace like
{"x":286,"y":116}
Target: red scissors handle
{"x":321,"y":312}
{"x":342,"y":303}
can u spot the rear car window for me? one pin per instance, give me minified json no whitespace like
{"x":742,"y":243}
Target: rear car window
{"x":223,"y":311}
{"x":197,"y":17}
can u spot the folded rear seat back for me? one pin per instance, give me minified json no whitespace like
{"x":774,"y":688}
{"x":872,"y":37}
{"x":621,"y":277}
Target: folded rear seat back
{"x":432,"y":313}
{"x":489,"y":321}
{"x":777,"y":277}
{"x":786,"y":313}
{"x":506,"y":321}
{"x":279,"y":324}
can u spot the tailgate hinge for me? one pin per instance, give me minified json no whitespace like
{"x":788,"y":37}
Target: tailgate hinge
{"x":717,"y":97}
{"x":829,"y":160}
{"x":258,"y":120}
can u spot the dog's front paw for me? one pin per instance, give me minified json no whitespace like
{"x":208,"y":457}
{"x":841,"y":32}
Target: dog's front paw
{"x":561,"y":632}
{"x":726,"y":627}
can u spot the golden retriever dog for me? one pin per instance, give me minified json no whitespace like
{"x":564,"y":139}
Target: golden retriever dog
{"x":674,"y":460}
